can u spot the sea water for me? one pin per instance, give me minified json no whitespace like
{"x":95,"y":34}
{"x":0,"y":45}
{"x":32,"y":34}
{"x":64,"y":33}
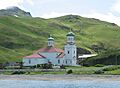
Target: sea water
{"x":59,"y":84}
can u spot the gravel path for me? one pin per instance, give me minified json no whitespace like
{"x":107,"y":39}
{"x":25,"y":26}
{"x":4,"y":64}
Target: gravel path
{"x":60,"y":77}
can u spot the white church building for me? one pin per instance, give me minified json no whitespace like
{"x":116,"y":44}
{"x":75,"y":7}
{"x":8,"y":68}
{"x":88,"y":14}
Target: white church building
{"x":53,"y":55}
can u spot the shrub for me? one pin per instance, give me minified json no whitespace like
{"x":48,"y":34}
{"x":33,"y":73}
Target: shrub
{"x":38,"y":66}
{"x":18,"y":72}
{"x":99,"y":72}
{"x":99,"y":65}
{"x":86,"y":65}
{"x":62,"y":67}
{"x":47,"y":66}
{"x":69,"y":71}
{"x":111,"y":68}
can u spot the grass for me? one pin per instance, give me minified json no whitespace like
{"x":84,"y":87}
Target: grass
{"x":114,"y":72}
{"x":22,"y":36}
{"x":84,"y":70}
{"x":77,"y":70}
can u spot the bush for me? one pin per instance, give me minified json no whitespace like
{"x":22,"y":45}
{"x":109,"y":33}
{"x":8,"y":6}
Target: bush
{"x":86,"y":65}
{"x":111,"y":68}
{"x":62,"y":67}
{"x":69,"y":71}
{"x":47,"y":66}
{"x":18,"y":72}
{"x":99,"y":72}
{"x":99,"y":65}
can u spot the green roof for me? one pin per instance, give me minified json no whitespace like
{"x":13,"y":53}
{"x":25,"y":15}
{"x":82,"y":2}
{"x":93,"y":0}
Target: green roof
{"x":50,"y":38}
{"x":70,"y":34}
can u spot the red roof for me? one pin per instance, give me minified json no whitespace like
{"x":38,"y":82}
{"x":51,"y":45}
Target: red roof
{"x":50,"y":49}
{"x":34,"y":56}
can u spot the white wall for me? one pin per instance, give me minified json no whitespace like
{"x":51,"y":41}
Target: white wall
{"x":61,"y":61}
{"x":51,"y":56}
{"x":70,"y":39}
{"x":34,"y":61}
{"x":70,"y":59}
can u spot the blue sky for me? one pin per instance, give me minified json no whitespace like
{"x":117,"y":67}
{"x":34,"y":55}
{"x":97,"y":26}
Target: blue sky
{"x":106,"y":10}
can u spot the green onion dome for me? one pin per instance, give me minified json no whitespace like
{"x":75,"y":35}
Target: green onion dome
{"x":70,"y":34}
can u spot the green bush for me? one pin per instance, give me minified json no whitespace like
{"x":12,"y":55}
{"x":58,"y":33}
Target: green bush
{"x":62,"y":67}
{"x":111,"y":68}
{"x":18,"y":72}
{"x":69,"y":71}
{"x":99,"y":65}
{"x":99,"y":72}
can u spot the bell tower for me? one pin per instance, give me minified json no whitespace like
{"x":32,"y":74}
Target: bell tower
{"x":70,"y":50}
{"x":50,"y":41}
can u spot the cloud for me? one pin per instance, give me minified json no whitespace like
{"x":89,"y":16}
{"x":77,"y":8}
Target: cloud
{"x":53,"y":14}
{"x":19,"y":3}
{"x":46,"y":1}
{"x":7,"y":3}
{"x":109,"y":17}
{"x":30,"y":2}
{"x":56,"y":14}
{"x":116,"y":6}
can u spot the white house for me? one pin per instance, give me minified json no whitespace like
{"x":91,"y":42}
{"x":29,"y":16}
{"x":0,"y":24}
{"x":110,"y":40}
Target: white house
{"x":51,"y":54}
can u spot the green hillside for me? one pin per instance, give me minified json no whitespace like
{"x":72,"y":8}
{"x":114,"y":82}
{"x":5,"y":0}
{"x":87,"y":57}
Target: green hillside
{"x":14,"y":11}
{"x":20,"y":36}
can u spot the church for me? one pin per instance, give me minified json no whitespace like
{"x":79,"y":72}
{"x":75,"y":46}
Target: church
{"x":53,"y":55}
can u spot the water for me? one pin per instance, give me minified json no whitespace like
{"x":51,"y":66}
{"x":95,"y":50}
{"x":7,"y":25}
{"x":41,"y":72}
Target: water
{"x":59,"y":84}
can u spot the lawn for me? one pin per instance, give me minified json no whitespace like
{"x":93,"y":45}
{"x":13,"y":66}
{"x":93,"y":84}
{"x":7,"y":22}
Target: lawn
{"x":77,"y":70}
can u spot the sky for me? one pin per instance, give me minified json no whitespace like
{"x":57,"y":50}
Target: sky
{"x":106,"y":10}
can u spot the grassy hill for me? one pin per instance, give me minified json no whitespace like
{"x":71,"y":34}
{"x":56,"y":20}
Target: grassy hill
{"x":14,"y":11}
{"x":20,"y":36}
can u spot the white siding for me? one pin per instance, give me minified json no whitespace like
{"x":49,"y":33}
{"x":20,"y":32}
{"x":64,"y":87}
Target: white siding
{"x":34,"y":61}
{"x":70,"y":54}
{"x":51,"y":56}
{"x":60,"y":61}
{"x":70,"y":39}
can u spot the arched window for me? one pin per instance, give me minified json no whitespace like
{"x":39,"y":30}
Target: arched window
{"x":66,"y":61}
{"x":29,"y":61}
{"x":68,"y":52}
{"x":58,"y":61}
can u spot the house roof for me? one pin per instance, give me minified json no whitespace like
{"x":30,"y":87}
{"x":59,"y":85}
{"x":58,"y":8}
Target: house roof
{"x":34,"y":56}
{"x":50,"y":49}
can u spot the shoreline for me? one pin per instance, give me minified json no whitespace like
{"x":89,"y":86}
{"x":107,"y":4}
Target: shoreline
{"x":70,"y":77}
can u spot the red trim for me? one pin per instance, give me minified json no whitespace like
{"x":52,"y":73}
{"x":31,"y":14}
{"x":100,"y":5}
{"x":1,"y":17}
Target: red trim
{"x":33,"y":56}
{"x":50,"y":49}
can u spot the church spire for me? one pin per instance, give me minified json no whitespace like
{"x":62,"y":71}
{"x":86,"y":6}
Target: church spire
{"x":50,"y":41}
{"x":70,"y":37}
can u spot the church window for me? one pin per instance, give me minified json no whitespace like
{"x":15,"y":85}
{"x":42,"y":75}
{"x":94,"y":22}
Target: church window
{"x":66,"y":61}
{"x":29,"y":61}
{"x":58,"y":61}
{"x":68,"y":38}
{"x":68,"y":52}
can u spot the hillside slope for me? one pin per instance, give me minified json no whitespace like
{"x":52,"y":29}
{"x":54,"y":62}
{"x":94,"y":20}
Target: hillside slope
{"x":14,"y":11}
{"x":22,"y":36}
